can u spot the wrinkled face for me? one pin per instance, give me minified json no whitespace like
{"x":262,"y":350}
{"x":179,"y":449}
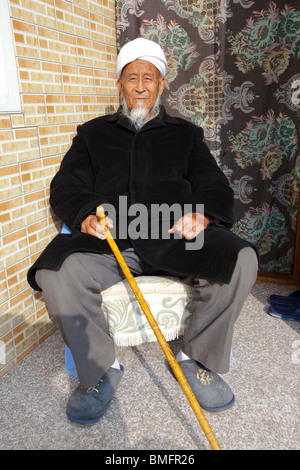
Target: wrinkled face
{"x":140,"y":84}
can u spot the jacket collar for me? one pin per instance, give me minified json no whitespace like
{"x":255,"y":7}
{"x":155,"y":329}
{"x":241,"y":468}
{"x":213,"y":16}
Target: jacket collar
{"x":159,"y":121}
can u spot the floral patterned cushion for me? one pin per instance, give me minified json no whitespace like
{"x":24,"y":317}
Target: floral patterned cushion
{"x":168,"y":298}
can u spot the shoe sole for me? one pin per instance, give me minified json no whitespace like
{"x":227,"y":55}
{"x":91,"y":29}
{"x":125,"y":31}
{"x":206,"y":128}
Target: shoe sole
{"x":283,"y":317}
{"x":219,"y":410}
{"x":87,"y":422}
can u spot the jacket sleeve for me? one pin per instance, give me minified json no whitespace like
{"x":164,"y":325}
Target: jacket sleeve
{"x":209,"y":184}
{"x":71,"y":190}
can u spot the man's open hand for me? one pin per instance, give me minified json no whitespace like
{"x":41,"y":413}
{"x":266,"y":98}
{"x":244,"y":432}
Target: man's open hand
{"x":190,"y":225}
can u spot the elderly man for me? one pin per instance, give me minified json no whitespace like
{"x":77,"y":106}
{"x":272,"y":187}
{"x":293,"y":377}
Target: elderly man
{"x":145,"y":158}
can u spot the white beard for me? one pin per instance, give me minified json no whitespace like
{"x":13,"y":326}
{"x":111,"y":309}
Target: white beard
{"x":138,"y":116}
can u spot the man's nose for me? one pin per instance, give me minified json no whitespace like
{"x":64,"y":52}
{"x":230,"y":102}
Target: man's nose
{"x":140,"y":85}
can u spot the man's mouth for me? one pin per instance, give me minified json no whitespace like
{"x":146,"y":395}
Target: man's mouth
{"x":140,"y":102}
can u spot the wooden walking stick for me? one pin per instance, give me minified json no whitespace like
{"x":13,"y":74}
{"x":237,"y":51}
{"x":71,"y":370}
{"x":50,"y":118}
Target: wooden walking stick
{"x":161,"y":339}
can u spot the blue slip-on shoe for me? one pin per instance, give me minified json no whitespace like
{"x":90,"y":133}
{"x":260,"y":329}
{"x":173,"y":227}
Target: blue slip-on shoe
{"x":210,"y":390}
{"x":87,"y":405}
{"x":292,"y":302}
{"x":293,"y":298}
{"x":286,"y":312}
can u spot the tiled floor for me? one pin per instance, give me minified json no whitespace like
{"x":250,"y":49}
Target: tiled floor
{"x":149,"y":410}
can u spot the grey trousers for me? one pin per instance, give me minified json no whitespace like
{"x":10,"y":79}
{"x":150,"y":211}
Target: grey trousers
{"x":73,"y":298}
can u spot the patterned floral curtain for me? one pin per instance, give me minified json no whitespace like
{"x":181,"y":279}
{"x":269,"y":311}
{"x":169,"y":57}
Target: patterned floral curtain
{"x":233,"y":69}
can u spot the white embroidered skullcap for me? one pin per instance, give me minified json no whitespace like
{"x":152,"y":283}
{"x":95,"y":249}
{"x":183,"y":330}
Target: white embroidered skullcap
{"x":144,"y":49}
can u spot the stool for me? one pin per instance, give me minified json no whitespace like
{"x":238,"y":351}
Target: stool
{"x":168,"y":298}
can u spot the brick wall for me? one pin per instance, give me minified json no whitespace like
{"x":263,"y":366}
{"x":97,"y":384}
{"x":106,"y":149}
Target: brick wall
{"x":66,"y":55}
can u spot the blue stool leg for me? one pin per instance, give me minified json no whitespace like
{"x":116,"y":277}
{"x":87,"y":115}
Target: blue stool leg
{"x":69,"y":363}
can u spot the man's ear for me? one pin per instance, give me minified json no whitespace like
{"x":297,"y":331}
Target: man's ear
{"x":161,"y":84}
{"x":119,"y":85}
